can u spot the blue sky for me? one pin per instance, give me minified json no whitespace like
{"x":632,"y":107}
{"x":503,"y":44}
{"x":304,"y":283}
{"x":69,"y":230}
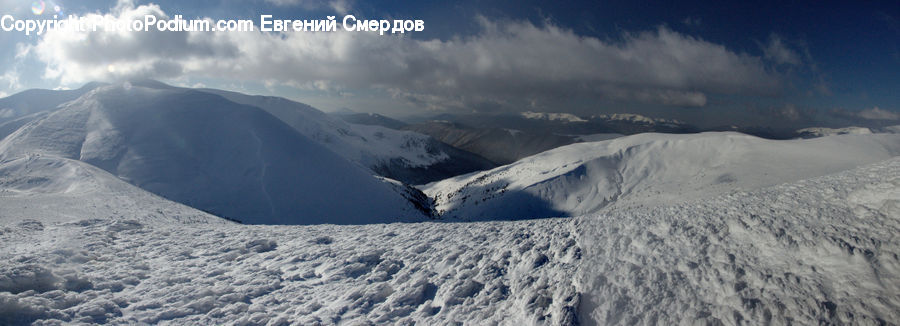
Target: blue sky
{"x":775,"y":60}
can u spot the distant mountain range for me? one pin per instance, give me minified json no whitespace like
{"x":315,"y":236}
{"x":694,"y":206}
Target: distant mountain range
{"x":505,"y":138}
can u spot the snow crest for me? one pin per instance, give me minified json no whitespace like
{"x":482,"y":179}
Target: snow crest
{"x":648,"y":169}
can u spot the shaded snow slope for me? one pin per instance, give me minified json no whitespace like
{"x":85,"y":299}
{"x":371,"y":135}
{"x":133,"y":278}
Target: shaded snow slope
{"x":10,"y":126}
{"x":648,"y":169}
{"x":821,"y":251}
{"x":201,"y":150}
{"x":403,"y":155}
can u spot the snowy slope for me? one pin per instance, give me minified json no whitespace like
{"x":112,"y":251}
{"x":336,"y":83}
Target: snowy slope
{"x":34,"y":101}
{"x":55,"y":189}
{"x":647,"y":169}
{"x":392,"y":153}
{"x":820,"y":251}
{"x":201,"y":150}
{"x":407,"y":156}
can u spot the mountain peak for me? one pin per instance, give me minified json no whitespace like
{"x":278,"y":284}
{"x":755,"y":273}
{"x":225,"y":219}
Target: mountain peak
{"x":148,"y":83}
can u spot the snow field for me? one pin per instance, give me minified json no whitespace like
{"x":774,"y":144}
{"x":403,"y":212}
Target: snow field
{"x":143,"y":272}
{"x":822,"y":250}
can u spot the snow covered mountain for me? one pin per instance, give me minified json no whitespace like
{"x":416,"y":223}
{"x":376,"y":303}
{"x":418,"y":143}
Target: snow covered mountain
{"x":712,"y":228}
{"x":648,"y":169}
{"x":506,"y":138}
{"x":819,"y":251}
{"x":204,"y":151}
{"x":820,"y":132}
{"x":38,"y":100}
{"x":18,"y":109}
{"x":563,"y":117}
{"x":636,"y":118}
{"x":407,"y":156}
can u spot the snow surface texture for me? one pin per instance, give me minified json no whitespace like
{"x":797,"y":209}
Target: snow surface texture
{"x":647,"y":169}
{"x":810,"y":252}
{"x":820,"y":251}
{"x":201,"y":150}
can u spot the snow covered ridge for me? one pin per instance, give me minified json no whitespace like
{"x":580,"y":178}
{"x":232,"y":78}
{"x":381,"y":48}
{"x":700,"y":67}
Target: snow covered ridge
{"x":397,"y":154}
{"x":366,"y":145}
{"x":819,"y":132}
{"x":635,"y":118}
{"x":381,"y":149}
{"x":566,"y":117}
{"x":820,"y":251}
{"x":204,"y":151}
{"x":648,"y":169}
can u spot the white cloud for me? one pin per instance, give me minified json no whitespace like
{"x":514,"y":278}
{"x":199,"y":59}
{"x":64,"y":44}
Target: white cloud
{"x":508,"y":64}
{"x":9,"y":82}
{"x":878,"y":114}
{"x":340,"y":6}
{"x":777,"y":51}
